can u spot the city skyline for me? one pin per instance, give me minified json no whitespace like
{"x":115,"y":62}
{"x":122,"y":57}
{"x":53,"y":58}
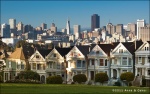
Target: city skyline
{"x":79,"y":12}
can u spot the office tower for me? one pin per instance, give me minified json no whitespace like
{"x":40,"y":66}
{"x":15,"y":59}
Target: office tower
{"x":44,"y":26}
{"x":12,"y":23}
{"x":132,"y":28}
{"x":110,"y":28}
{"x":27,"y":28}
{"x":5,"y":30}
{"x":119,"y":29}
{"x":68,"y":27}
{"x":20,"y":27}
{"x":140,"y":23}
{"x":53,"y":28}
{"x":144,"y":33}
{"x":95,"y":22}
{"x":76,"y":31}
{"x":38,"y":28}
{"x":64,"y":31}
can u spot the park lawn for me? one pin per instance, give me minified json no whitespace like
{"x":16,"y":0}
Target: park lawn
{"x":68,"y":89}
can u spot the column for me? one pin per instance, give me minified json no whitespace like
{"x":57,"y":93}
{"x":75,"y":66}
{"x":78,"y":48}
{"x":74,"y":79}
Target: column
{"x":146,"y":60}
{"x":117,"y":73}
{"x":135,"y":71}
{"x":111,"y":73}
{"x":89,"y":76}
{"x":146,"y":71}
{"x":31,"y":65}
{"x":8,"y":76}
{"x":127,"y":61}
{"x":36,"y":66}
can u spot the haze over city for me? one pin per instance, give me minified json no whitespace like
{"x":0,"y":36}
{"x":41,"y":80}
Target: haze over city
{"x":79,"y":12}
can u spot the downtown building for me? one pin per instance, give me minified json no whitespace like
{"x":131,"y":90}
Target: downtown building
{"x":95,"y":22}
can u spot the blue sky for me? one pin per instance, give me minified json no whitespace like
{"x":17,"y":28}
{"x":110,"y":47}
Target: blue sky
{"x":79,"y":12}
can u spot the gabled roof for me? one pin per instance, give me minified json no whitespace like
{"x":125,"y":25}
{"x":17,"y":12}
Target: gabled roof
{"x":17,"y":54}
{"x":44,"y":52}
{"x":107,"y":47}
{"x":84,"y":49}
{"x":63,"y":51}
{"x":148,"y":42}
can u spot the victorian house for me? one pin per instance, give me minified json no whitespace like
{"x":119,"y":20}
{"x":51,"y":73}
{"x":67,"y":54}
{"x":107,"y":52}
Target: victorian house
{"x":99,"y":59}
{"x":77,"y":61}
{"x":15,"y":63}
{"x":142,"y":62}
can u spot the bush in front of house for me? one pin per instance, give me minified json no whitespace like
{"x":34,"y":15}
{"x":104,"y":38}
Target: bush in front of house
{"x":101,"y":77}
{"x":28,"y":75}
{"x":80,"y":78}
{"x":29,"y":81}
{"x":54,"y":80}
{"x":128,"y":76}
{"x":117,"y":83}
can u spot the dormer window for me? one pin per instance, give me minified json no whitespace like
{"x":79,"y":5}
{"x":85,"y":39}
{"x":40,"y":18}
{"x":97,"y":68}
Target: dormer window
{"x":120,"y":50}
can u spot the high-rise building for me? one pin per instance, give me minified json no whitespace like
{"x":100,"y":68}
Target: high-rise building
{"x":20,"y":27}
{"x":119,"y":29}
{"x":44,"y":26}
{"x":5,"y":30}
{"x":144,"y":33}
{"x":95,"y":22}
{"x":27,"y":28}
{"x":53,"y":28}
{"x":140,"y":23}
{"x":68,"y":27}
{"x":76,"y":31}
{"x":12,"y":23}
{"x":110,"y":28}
{"x":132,"y":28}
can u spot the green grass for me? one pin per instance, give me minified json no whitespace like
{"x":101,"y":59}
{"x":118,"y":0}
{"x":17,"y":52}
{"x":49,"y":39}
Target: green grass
{"x":67,"y":89}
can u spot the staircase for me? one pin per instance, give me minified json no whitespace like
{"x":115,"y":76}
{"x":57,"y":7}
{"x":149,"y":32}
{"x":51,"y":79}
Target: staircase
{"x":137,"y":81}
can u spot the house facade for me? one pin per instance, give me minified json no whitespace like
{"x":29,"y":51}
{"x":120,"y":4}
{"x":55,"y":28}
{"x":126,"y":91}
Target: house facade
{"x":142,"y":61}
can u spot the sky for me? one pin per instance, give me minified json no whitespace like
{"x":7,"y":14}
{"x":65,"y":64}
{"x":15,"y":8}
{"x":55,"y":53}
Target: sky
{"x":78,"y":12}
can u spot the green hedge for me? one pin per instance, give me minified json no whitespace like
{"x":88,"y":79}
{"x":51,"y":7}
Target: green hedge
{"x":29,"y":81}
{"x":101,"y":77}
{"x":80,"y":78}
{"x":54,"y":80}
{"x":28,"y":75}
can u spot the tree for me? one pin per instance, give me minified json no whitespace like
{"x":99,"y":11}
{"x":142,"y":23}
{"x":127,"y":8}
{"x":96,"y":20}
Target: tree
{"x":20,"y":43}
{"x":101,"y":77}
{"x":54,"y":80}
{"x":128,"y":76}
{"x":80,"y":78}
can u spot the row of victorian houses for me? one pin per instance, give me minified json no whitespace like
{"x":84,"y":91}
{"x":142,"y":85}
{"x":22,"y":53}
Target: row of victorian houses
{"x":112,"y":59}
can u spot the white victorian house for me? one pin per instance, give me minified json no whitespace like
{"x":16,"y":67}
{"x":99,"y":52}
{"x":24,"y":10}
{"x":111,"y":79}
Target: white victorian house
{"x":99,"y":60}
{"x":77,"y":61}
{"x":55,"y":62}
{"x":38,"y":63}
{"x":142,"y":61}
{"x":122,"y":59}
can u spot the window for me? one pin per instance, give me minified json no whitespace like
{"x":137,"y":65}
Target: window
{"x":38,"y":66}
{"x":50,"y":65}
{"x":145,"y":48}
{"x":78,"y":72}
{"x":79,"y":63}
{"x":129,"y":61}
{"x":22,"y":65}
{"x":83,"y":64}
{"x":58,"y":66}
{"x":140,"y":59}
{"x":54,"y":55}
{"x":33,"y":65}
{"x":101,"y":62}
{"x":124,"y":60}
{"x":120,"y":50}
{"x":106,"y":62}
{"x":37,"y":56}
{"x":92,"y":61}
{"x":97,"y":52}
{"x":62,"y":65}
{"x":124,"y":71}
{"x":148,"y":59}
{"x":9,"y":64}
{"x":148,"y":72}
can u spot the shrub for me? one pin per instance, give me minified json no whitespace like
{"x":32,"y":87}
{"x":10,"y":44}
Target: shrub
{"x":80,"y":78}
{"x":29,"y":81}
{"x":28,"y":75}
{"x":54,"y":80}
{"x":1,"y":79}
{"x":101,"y":77}
{"x":128,"y":76}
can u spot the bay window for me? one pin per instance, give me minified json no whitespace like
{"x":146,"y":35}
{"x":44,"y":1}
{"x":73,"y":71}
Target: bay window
{"x":124,"y":60}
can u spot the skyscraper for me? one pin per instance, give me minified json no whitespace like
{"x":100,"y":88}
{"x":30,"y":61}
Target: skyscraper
{"x":20,"y":27}
{"x":12,"y":23}
{"x":44,"y":26}
{"x":5,"y":30}
{"x":95,"y":22}
{"x":53,"y":28}
{"x":76,"y":31}
{"x":140,"y":23}
{"x":68,"y":26}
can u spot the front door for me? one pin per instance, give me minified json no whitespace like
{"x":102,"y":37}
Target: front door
{"x":43,"y":79}
{"x":92,"y":75}
{"x":114,"y":73}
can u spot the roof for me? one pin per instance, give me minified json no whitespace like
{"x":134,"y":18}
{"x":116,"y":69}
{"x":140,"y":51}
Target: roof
{"x":17,"y":54}
{"x":63,"y":51}
{"x":148,"y":42}
{"x":84,"y":49}
{"x":107,"y":47}
{"x":44,"y":52}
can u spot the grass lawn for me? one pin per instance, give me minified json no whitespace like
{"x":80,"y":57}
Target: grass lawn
{"x":69,"y":89}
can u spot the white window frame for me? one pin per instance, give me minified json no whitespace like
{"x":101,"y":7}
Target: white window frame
{"x":120,"y":50}
{"x":139,"y":59}
{"x":124,"y":61}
